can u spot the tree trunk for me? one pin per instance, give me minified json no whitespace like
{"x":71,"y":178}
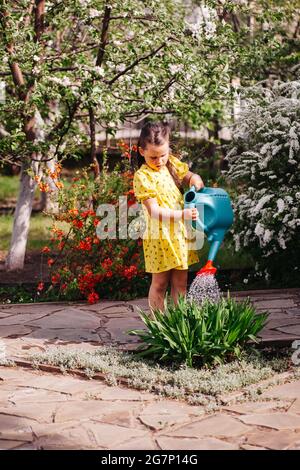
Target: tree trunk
{"x":49,"y":201}
{"x":16,"y":255}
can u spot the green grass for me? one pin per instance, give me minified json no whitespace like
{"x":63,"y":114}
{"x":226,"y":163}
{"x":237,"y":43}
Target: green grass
{"x":39,"y":233}
{"x":9,"y":186}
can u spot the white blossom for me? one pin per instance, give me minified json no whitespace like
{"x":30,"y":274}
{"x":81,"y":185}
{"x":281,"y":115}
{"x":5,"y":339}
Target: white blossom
{"x":280,"y":205}
{"x":268,"y":131}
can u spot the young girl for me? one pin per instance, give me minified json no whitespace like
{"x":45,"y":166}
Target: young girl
{"x":157,"y":185}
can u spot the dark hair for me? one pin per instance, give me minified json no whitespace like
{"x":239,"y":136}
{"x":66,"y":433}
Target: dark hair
{"x":154,"y":133}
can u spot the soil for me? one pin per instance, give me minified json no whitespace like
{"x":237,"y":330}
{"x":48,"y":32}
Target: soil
{"x":32,"y":273}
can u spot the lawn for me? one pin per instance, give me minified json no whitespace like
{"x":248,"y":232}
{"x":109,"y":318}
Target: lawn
{"x":39,"y":233}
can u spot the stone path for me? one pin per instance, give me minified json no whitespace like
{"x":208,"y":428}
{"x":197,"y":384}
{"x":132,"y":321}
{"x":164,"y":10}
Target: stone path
{"x":48,"y":411}
{"x":39,"y":410}
{"x":36,"y":327}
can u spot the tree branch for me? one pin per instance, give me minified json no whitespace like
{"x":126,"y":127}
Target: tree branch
{"x":93,"y":142}
{"x":39,"y":15}
{"x":104,"y":35}
{"x":28,"y":13}
{"x":137,"y":61}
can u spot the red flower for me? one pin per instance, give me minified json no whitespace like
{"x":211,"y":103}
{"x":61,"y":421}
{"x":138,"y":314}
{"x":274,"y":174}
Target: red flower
{"x":50,"y":261}
{"x":61,"y":245}
{"x":55,"y":278}
{"x":130,"y":272}
{"x":77,"y":223}
{"x":85,"y":245}
{"x":85,"y":214}
{"x":87,"y":281}
{"x":46,"y":249}
{"x":73,"y":211}
{"x":93,"y":297}
{"x":40,"y":286}
{"x":106,"y":263}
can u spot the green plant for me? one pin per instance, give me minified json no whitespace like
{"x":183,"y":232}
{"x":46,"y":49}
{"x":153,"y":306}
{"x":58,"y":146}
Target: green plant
{"x":211,"y":333}
{"x":82,"y":263}
{"x":204,"y":386}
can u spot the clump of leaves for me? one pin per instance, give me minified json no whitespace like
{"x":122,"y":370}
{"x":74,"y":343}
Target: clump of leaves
{"x":210,"y":333}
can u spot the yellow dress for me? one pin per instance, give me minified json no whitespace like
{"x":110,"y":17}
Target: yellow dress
{"x":165,"y":242}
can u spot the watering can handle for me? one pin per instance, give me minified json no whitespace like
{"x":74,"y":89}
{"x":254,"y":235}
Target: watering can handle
{"x":199,"y":224}
{"x":192,"y":188}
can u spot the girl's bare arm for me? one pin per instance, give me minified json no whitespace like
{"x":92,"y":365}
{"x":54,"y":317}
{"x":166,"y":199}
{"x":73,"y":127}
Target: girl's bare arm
{"x":192,"y":179}
{"x":157,"y":212}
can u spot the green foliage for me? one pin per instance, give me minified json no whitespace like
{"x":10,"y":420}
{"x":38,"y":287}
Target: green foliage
{"x":88,"y":258}
{"x":155,"y":59}
{"x":210,"y":333}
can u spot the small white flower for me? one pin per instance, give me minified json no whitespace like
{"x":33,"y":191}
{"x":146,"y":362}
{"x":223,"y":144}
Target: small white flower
{"x":129,"y":35}
{"x":93,"y":13}
{"x":121,"y":67}
{"x":100,"y":70}
{"x":280,"y":205}
{"x":174,"y":68}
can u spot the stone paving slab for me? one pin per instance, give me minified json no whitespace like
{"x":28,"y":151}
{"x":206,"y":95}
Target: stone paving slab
{"x":41,"y":410}
{"x":32,"y":327}
{"x":116,"y":418}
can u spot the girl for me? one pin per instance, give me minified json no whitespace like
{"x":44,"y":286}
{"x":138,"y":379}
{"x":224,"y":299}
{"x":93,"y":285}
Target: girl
{"x":157,"y":185}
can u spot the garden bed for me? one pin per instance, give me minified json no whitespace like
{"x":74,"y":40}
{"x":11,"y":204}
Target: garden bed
{"x":237,"y":381}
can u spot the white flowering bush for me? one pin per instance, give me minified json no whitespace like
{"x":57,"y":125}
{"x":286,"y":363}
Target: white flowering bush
{"x":264,"y":163}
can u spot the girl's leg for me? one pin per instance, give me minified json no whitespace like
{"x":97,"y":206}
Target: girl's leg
{"x":158,"y":289}
{"x":178,"y":283}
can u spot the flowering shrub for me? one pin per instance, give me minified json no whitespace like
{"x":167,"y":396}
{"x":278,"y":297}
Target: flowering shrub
{"x":83,"y":265}
{"x":264,"y":159}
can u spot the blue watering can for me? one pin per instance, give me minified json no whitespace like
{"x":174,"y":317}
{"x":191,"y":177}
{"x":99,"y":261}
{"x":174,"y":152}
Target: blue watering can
{"x":215,"y":217}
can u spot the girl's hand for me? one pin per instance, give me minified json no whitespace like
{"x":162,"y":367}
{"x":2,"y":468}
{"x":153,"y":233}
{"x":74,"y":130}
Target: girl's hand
{"x":196,"y":181}
{"x":190,"y":214}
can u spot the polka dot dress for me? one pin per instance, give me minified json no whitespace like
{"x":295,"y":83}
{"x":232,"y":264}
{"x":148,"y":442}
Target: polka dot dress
{"x":165,"y":242}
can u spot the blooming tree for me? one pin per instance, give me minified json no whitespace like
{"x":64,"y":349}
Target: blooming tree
{"x":71,"y":66}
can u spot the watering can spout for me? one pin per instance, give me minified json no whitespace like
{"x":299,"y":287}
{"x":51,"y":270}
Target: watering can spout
{"x":208,"y":269}
{"x":214,"y":248}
